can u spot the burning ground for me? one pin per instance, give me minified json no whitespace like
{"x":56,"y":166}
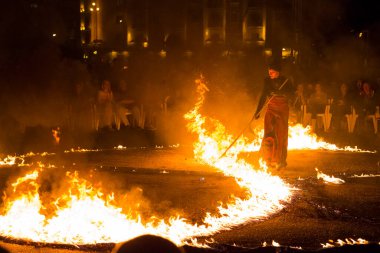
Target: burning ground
{"x":295,"y":207}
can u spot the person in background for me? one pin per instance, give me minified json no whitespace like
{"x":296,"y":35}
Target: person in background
{"x":105,"y":103}
{"x":341,"y":106}
{"x":126,"y":105}
{"x":298,"y":102}
{"x":317,"y":104}
{"x":366,"y":104}
{"x":147,"y":244}
{"x":80,"y":107}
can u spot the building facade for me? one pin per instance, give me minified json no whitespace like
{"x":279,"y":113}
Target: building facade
{"x":127,"y":24}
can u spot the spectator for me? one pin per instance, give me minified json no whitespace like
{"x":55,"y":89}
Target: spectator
{"x":80,"y":108}
{"x":317,"y":101}
{"x":126,"y":105}
{"x":147,"y":244}
{"x":366,"y":104}
{"x":308,"y":90}
{"x":299,"y":101}
{"x":152,"y":105}
{"x":367,"y":95}
{"x":341,"y":106}
{"x":3,"y":250}
{"x":105,"y":103}
{"x":317,"y":104}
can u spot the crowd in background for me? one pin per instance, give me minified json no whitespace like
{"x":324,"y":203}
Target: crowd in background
{"x":146,"y":92}
{"x":360,"y":98}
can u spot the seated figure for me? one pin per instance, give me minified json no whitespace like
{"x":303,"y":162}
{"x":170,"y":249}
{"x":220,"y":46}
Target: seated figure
{"x":126,"y":105}
{"x":105,"y":103}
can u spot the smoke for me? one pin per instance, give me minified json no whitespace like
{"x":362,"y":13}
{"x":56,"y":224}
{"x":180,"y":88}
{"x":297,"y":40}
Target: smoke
{"x":234,"y":83}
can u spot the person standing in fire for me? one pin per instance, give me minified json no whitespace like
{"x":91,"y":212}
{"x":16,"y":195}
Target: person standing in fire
{"x":276,"y":94}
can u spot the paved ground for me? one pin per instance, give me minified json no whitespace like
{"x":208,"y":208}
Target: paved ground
{"x":317,"y":213}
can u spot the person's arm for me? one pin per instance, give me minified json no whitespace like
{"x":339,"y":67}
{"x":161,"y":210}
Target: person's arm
{"x":262,"y":100}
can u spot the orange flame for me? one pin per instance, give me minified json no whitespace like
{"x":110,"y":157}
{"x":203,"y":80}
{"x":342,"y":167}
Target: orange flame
{"x":329,"y":179}
{"x":83,"y":214}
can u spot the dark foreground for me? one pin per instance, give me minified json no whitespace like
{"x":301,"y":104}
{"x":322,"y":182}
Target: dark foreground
{"x":172,"y":181}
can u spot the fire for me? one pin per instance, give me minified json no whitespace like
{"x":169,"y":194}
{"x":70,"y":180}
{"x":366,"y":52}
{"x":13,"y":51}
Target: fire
{"x":84,"y":214}
{"x":81,"y":150}
{"x":328,"y":179}
{"x":302,"y":138}
{"x":56,"y":132}
{"x":347,"y":241}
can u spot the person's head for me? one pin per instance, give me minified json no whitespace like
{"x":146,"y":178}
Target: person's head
{"x":147,"y":244}
{"x":343,"y":88}
{"x":79,"y":86}
{"x":106,"y":85}
{"x":3,"y":250}
{"x":318,"y":88}
{"x":123,"y":85}
{"x":274,"y":70}
{"x":366,"y":88}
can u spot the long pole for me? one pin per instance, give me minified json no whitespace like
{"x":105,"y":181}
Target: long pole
{"x":249,"y":123}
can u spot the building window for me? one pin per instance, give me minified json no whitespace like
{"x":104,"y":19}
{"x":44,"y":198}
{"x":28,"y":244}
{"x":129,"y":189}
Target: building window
{"x":215,"y":19}
{"x":120,"y":2}
{"x":255,"y":3}
{"x":214,"y":3}
{"x":235,"y":15}
{"x":195,"y":15}
{"x":138,"y":21}
{"x":255,"y":18}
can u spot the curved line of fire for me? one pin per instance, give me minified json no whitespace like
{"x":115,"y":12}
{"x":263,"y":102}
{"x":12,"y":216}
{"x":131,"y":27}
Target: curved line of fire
{"x":75,"y":220}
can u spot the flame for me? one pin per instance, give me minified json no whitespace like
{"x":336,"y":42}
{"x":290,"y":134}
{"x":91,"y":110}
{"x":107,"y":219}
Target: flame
{"x":84,"y":214}
{"x":365,"y":175}
{"x":12,"y":160}
{"x":328,"y":179}
{"x":81,"y":150}
{"x":56,"y":132}
{"x":347,"y":241}
{"x":302,"y":138}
